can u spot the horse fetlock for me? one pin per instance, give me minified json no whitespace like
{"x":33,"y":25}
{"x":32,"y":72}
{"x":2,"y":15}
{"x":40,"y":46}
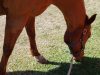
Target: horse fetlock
{"x":35,"y":53}
{"x":2,"y":70}
{"x":41,"y":59}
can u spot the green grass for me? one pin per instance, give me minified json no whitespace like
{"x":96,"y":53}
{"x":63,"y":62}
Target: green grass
{"x":50,"y":28}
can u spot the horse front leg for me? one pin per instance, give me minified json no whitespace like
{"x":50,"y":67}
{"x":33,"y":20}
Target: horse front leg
{"x":30,"y":29}
{"x":14,"y":26}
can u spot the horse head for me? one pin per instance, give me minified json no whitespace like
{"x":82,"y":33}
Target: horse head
{"x":77,"y":39}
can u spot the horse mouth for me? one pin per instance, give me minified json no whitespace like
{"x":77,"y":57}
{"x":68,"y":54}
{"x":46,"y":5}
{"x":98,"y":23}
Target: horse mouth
{"x":80,"y":57}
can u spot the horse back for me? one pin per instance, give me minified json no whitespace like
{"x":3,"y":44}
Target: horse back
{"x":20,"y":7}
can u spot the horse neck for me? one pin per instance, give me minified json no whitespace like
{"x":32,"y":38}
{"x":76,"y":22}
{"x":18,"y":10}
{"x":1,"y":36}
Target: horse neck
{"x":75,"y":21}
{"x":74,"y":27}
{"x":74,"y":12}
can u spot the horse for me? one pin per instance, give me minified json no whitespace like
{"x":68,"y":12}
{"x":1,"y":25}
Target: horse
{"x":22,"y":13}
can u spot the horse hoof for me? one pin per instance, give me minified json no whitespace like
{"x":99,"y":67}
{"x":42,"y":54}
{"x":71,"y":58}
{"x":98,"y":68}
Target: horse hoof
{"x":41,"y":59}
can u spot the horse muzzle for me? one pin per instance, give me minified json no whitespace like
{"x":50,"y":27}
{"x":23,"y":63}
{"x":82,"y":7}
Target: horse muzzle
{"x":77,"y":52}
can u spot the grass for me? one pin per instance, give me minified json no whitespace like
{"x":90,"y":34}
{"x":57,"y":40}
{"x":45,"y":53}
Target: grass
{"x":50,"y":28}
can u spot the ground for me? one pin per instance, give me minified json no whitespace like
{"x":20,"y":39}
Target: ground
{"x":50,"y":28}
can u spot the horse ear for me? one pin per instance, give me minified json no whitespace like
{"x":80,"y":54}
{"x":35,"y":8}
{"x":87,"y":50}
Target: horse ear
{"x":89,"y":21}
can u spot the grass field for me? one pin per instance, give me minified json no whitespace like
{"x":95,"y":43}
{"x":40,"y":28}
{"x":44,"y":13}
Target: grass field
{"x":50,"y":28}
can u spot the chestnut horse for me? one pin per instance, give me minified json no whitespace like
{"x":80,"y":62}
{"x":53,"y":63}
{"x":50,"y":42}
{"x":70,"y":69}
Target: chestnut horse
{"x":21,"y":13}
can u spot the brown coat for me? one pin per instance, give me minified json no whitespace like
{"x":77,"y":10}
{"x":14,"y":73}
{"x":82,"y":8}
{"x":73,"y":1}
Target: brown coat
{"x":20,"y":7}
{"x":1,"y":7}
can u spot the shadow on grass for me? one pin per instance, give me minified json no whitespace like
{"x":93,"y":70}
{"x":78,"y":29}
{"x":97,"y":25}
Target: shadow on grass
{"x":90,"y":66}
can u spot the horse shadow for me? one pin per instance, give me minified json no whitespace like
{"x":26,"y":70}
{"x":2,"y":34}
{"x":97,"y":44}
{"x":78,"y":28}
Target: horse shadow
{"x":90,"y":66}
